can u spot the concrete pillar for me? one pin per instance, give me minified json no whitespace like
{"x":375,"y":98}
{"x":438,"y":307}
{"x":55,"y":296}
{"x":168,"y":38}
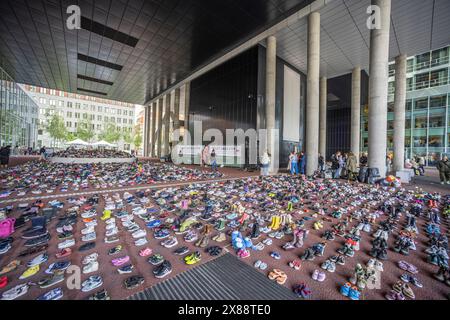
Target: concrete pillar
{"x":153,"y":151}
{"x":378,"y":88}
{"x":356,"y":113}
{"x":323,"y":117}
{"x":146,"y":130}
{"x":166,"y":148}
{"x":187,"y":100}
{"x":399,"y":112}
{"x":176,"y":110}
{"x":312,"y":94}
{"x":271,"y":66}
{"x":160,"y":131}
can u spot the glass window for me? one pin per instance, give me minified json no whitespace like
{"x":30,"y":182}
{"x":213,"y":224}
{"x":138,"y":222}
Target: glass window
{"x":410,"y":65}
{"x":423,"y":61}
{"x":420,"y":141}
{"x":437,"y":121}
{"x":435,"y":141}
{"x":422,"y":80}
{"x":439,"y":57}
{"x":99,"y":108}
{"x":69,"y":105}
{"x":420,"y":121}
{"x":99,"y":118}
{"x":439,"y":78}
{"x":409,"y":84}
{"x":408,"y":105}
{"x":390,"y":106}
{"x":390,"y":125}
{"x":438,"y":101}
{"x":421,"y":104}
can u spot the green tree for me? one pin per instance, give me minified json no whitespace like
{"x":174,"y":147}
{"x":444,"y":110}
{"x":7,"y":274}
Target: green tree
{"x":85,"y":131}
{"x":127,"y":137}
{"x":137,"y":141}
{"x":56,"y":128}
{"x":71,"y":136}
{"x":110,"y":133}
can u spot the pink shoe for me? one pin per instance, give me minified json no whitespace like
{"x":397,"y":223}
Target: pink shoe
{"x":321,"y":277}
{"x":243,"y":253}
{"x":315,"y":275}
{"x":145,"y":252}
{"x":120,"y":261}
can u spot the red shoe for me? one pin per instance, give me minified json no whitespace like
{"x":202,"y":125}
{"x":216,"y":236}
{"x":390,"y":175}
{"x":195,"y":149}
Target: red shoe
{"x":3,"y":282}
{"x":64,"y":253}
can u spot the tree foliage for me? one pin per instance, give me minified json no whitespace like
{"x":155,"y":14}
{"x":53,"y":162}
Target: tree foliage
{"x":56,"y":128}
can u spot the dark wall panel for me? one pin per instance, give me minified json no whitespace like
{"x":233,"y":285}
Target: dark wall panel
{"x":225,"y":98}
{"x":285,"y":146}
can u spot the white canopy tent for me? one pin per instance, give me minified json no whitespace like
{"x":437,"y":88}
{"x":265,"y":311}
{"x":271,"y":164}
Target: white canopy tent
{"x":103,"y":143}
{"x":78,"y":142}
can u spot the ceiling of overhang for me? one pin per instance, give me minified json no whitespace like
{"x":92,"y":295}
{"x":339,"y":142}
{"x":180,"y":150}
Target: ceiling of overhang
{"x":128,"y":50}
{"x":417,"y":26}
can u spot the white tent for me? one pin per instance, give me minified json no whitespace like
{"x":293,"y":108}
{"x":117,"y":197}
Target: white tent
{"x":78,"y":142}
{"x":102,"y":143}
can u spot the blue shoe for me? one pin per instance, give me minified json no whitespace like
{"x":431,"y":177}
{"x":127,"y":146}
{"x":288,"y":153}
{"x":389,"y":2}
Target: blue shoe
{"x":354,"y":294}
{"x":54,"y":294}
{"x":248,"y":243}
{"x":153,"y":224}
{"x":345,"y":289}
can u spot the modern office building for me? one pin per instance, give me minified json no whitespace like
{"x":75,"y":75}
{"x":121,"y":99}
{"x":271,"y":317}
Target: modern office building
{"x":18,"y":114}
{"x":427,"y":101}
{"x":76,"y":110}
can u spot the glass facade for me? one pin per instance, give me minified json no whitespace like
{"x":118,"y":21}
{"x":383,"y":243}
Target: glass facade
{"x":18,"y":114}
{"x":427,"y":128}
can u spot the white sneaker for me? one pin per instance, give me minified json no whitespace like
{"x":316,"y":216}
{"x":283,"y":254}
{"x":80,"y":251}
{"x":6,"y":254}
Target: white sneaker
{"x":89,"y":237}
{"x":90,"y":258}
{"x":111,"y":221}
{"x":66,"y":244}
{"x":139,"y":233}
{"x":112,"y":232}
{"x":90,"y":267}
{"x":88,"y":230}
{"x":91,"y":224}
{"x":111,"y":226}
{"x":140,"y":242}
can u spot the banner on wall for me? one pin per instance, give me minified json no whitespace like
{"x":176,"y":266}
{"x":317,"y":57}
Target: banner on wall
{"x":221,"y":151}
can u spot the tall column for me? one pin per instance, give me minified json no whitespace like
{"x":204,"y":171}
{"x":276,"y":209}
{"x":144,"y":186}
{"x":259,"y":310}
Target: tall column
{"x":160,"y":131}
{"x":153,"y":151}
{"x":187,"y":99}
{"x":399,"y":112}
{"x":271,"y":65}
{"x":378,"y":88}
{"x":356,"y":113}
{"x":146,"y":130}
{"x":176,"y":110}
{"x":166,"y":148}
{"x":323,"y":117}
{"x":312,"y":94}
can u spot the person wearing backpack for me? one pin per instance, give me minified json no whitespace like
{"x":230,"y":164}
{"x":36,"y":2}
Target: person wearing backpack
{"x":444,"y":170}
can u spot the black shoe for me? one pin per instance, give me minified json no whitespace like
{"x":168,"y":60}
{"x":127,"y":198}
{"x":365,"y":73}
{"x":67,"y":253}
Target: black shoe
{"x":133,"y":282}
{"x":37,"y":241}
{"x":163,"y":269}
{"x":114,"y":250}
{"x":87,"y":246}
{"x":101,"y":295}
{"x":255,"y":231}
{"x":181,"y":250}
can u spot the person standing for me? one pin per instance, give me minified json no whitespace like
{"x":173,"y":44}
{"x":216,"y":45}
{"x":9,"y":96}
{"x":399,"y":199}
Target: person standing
{"x":444,"y":170}
{"x":204,"y":156}
{"x":302,"y":163}
{"x":293,"y":163}
{"x":265,"y":162}
{"x":352,"y":168}
{"x":388,"y":164}
{"x":336,"y":164}
{"x":363,"y":160}
{"x":5,"y":152}
{"x":213,"y":160}
{"x":421,"y":163}
{"x":321,"y":163}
